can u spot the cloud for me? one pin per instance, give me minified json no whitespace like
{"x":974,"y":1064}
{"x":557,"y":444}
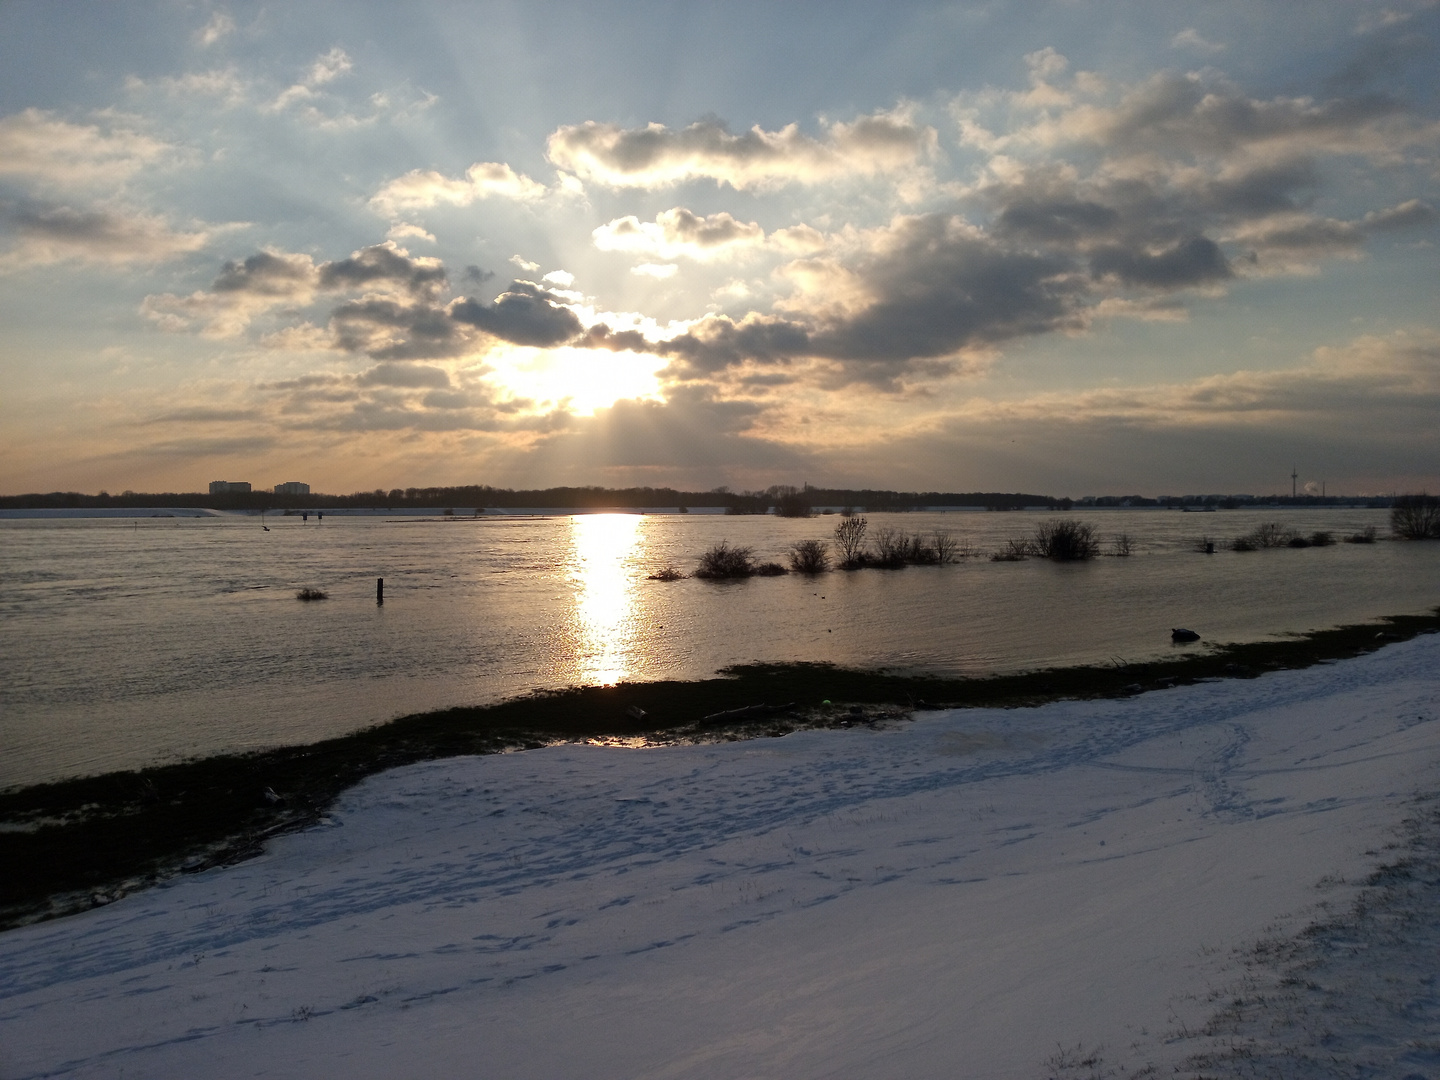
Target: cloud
{"x":1199,"y":114}
{"x":420,"y":189}
{"x":694,"y":439}
{"x":48,"y":233}
{"x":1191,"y":39}
{"x":524,"y":263}
{"x":326,"y":68}
{"x":220,"y":25}
{"x":678,"y":232}
{"x":225,"y":83}
{"x":410,"y":376}
{"x":1408,"y":215}
{"x":404,"y":230}
{"x":1391,"y":15}
{"x":656,"y":156}
{"x":1194,"y":261}
{"x":388,"y":329}
{"x":384,"y":263}
{"x":266,"y":280}
{"x":36,"y":146}
{"x":924,"y":288}
{"x":269,"y":274}
{"x":524,"y":314}
{"x":329,"y":67}
{"x":1397,"y":376}
{"x":1180,"y":181}
{"x":659,"y":271}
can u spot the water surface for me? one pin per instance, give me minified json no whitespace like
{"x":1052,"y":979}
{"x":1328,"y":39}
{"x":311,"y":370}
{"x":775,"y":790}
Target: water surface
{"x":124,"y":642}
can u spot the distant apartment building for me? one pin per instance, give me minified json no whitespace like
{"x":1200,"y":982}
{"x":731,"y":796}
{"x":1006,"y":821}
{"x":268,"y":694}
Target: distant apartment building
{"x":292,"y":487}
{"x":231,"y":487}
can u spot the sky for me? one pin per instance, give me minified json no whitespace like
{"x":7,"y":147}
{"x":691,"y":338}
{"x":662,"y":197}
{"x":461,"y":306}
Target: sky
{"x":1070,"y":248}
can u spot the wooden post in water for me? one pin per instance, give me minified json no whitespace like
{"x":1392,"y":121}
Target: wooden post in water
{"x":379,"y":590}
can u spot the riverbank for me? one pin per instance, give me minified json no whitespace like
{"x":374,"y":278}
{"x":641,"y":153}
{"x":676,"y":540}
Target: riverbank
{"x":1099,"y":886}
{"x":77,"y":844}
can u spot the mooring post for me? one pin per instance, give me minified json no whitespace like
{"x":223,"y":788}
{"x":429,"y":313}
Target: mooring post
{"x":379,"y":590}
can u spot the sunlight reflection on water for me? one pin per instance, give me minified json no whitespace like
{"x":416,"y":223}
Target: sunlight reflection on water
{"x":603,"y":547}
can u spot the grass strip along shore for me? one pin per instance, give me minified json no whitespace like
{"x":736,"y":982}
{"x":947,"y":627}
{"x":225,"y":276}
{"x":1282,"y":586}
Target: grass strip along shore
{"x":75,"y":844}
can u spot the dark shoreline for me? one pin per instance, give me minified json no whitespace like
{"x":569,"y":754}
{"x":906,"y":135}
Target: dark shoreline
{"x":74,"y":844}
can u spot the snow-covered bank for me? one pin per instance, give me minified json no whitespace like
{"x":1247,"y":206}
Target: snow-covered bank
{"x":963,"y":896}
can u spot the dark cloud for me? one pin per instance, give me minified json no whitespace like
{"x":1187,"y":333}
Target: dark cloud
{"x":719,"y":342}
{"x":936,"y":287}
{"x":1061,"y":220}
{"x":1259,"y":192}
{"x":384,"y":262}
{"x":1379,"y":58}
{"x":474,"y":275}
{"x":1190,"y":113}
{"x":600,"y":336}
{"x":524,"y":314}
{"x":940,"y":287}
{"x":1407,"y":215}
{"x":447,"y":399}
{"x":49,"y":233}
{"x":410,"y":376}
{"x":1196,"y":261}
{"x":389,"y":330}
{"x":655,"y":155}
{"x":267,"y":274}
{"x":1311,"y":234}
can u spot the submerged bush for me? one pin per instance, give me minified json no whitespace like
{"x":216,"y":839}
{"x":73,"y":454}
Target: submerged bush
{"x":1013,"y":551}
{"x":810,"y":557}
{"x":1270,"y":535}
{"x":1416,"y":517}
{"x":850,"y":540}
{"x":666,"y":573}
{"x":1366,"y":536}
{"x":724,"y":561}
{"x":1065,"y":540}
{"x":312,"y":594}
{"x":770,"y":569}
{"x":891,"y":549}
{"x":949,"y":550}
{"x":1122,"y":546}
{"x":1321,"y":539}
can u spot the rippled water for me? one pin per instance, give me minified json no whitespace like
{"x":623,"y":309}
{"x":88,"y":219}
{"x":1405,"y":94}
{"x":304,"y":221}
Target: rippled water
{"x":124,"y":642}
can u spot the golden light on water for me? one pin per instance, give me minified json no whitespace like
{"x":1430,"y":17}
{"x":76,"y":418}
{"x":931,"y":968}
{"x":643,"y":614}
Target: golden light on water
{"x":603,"y":547}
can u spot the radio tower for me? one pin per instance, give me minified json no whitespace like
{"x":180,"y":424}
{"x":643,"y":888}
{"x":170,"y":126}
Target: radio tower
{"x":1293,"y":477}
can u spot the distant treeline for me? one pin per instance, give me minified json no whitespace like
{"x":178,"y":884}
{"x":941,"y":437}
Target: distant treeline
{"x":780,"y":498}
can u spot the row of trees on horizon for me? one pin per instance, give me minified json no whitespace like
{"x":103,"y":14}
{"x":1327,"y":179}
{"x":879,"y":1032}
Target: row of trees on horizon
{"x":782,"y":499}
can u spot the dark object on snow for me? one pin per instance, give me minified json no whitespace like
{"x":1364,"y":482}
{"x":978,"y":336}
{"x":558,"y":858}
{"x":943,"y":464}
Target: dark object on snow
{"x":1184,"y":635}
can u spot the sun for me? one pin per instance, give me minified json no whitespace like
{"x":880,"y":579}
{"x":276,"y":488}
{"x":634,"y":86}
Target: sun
{"x":579,"y":380}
